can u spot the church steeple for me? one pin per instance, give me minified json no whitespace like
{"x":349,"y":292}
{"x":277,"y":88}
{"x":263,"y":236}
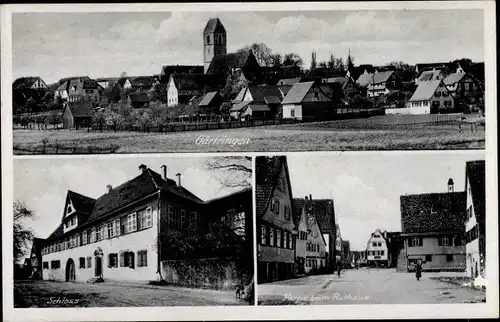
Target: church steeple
{"x":214,"y":40}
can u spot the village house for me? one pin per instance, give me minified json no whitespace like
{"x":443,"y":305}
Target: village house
{"x":257,"y":102}
{"x":211,"y":103}
{"x":379,"y":83}
{"x":138,"y":100}
{"x":463,"y":87}
{"x":429,"y":75}
{"x":346,"y":254}
{"x":34,"y":82}
{"x":167,"y":70}
{"x":359,"y":258}
{"x":36,"y":258}
{"x":74,"y":89}
{"x":77,"y":115}
{"x":181,"y":88}
{"x":376,"y":250}
{"x":306,"y":101}
{"x":106,"y":82}
{"x":429,"y":97}
{"x":356,"y":71}
{"x":117,"y":235}
{"x":315,"y":247}
{"x":276,"y":241}
{"x":289,"y":81}
{"x":323,"y":211}
{"x":26,"y":88}
{"x":300,"y":221}
{"x":394,"y":243}
{"x":433,"y":228}
{"x":475,"y":226}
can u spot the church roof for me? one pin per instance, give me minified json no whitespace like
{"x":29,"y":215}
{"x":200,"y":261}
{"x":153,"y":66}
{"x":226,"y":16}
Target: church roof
{"x":212,"y":25}
{"x":232,"y":60}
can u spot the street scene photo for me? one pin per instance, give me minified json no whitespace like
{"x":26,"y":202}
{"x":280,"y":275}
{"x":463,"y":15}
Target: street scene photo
{"x":370,"y":228}
{"x":139,"y":82}
{"x":157,"y":231}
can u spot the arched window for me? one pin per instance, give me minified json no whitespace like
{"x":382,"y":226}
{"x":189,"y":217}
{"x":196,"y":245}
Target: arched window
{"x":208,"y":39}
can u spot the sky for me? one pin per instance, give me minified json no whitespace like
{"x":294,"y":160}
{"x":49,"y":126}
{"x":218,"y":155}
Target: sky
{"x":57,"y":45}
{"x":43,"y":183}
{"x":366,"y":188}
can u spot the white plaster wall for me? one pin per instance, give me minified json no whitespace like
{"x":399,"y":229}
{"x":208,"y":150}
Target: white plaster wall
{"x":287,"y":111}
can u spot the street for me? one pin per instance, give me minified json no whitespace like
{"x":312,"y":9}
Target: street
{"x":63,"y":294}
{"x":367,"y":286}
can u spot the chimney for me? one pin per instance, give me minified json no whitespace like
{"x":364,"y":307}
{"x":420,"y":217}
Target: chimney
{"x":450,"y":185}
{"x":109,"y":188}
{"x":164,"y":170}
{"x":310,"y":197}
{"x":142,"y":167}
{"x":179,"y":179}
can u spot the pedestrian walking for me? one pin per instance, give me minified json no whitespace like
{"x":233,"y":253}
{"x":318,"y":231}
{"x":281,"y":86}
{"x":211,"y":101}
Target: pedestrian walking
{"x":339,"y":268}
{"x":418,"y":270}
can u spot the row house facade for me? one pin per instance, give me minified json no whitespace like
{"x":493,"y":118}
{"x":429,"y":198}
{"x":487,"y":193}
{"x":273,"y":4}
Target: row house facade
{"x":475,"y":226}
{"x":433,"y":229}
{"x":376,"y":249}
{"x":116,"y":236}
{"x":277,"y":233}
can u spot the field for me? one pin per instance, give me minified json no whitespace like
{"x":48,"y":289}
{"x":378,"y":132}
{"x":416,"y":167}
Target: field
{"x":376,"y":133}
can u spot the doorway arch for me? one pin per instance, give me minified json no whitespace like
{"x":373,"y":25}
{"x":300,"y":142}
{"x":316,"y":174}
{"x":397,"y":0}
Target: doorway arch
{"x":70,"y":271}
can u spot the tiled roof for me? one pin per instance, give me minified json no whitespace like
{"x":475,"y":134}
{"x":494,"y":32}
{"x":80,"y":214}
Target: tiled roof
{"x":232,"y":60}
{"x":288,"y":81}
{"x":433,"y":212}
{"x":324,"y":212}
{"x":81,"y":109}
{"x":425,"y":90}
{"x":297,"y":93}
{"x":374,"y":78}
{"x":477,"y":176}
{"x":268,"y":170}
{"x":263,"y":93}
{"x":208,"y":98}
{"x":285,"y":89}
{"x":82,"y":204}
{"x":429,"y":75}
{"x":259,"y":108}
{"x":453,"y":78}
{"x":239,"y":106}
{"x":24,"y":82}
{"x":212,"y":25}
{"x":195,"y":81}
{"x":298,"y":206}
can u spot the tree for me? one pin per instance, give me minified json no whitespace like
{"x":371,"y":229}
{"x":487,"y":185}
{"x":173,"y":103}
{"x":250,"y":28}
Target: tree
{"x":262,"y":53}
{"x":113,"y":118}
{"x":99,"y":118}
{"x":145,"y":120}
{"x":22,"y":235}
{"x":237,"y":170}
{"x":313,"y":60}
{"x":123,"y":75}
{"x":350,"y":62}
{"x":55,"y":118}
{"x":276,"y":60}
{"x":292,"y":59}
{"x":234,"y":84}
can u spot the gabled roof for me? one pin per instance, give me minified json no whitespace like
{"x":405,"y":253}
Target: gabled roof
{"x":25,"y":82}
{"x":374,"y":78}
{"x":429,"y":75}
{"x":433,"y":212}
{"x":142,"y":81}
{"x":259,"y":108}
{"x":232,"y":60}
{"x":266,"y":178}
{"x":324,"y":212}
{"x":265,"y":93}
{"x":81,"y":109}
{"x":297,"y":93}
{"x":212,"y":25}
{"x":207,"y":99}
{"x":322,"y":72}
{"x":194,"y":81}
{"x":81,"y":203}
{"x":285,"y":89}
{"x":453,"y":78}
{"x":425,"y":90}
{"x":298,"y":206}
{"x":240,"y":106}
{"x":475,"y":172}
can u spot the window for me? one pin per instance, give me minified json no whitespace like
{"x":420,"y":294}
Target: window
{"x":84,"y":238}
{"x":428,"y":258}
{"x":123,"y":225}
{"x":93,"y":235}
{"x":263,"y":234}
{"x":374,"y":244}
{"x":447,"y":103}
{"x":100,"y":232}
{"x":111,"y":229}
{"x":445,"y":94}
{"x":149,"y":217}
{"x":55,"y":264}
{"x":131,"y":223}
{"x":444,"y":241}
{"x":117,"y":227}
{"x":275,"y":206}
{"x":208,"y":39}
{"x":170,"y":215}
{"x":382,"y":253}
{"x":193,"y":217}
{"x":45,"y":265}
{"x":292,"y":112}
{"x":89,"y":262}
{"x":271,"y":236}
{"x":113,"y":260}
{"x":449,"y":257}
{"x":415,"y":242}
{"x":278,"y":238}
{"x":280,"y":185}
{"x":142,"y":258}
{"x":437,"y":94}
{"x":183,"y":219}
{"x":127,"y":259}
{"x":144,"y":218}
{"x":287,"y":213}
{"x":82,"y":262}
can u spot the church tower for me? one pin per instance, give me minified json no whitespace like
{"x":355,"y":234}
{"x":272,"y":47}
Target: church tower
{"x":214,"y":41}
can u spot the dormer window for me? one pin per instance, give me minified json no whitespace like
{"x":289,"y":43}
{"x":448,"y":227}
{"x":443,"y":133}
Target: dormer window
{"x":70,"y":209}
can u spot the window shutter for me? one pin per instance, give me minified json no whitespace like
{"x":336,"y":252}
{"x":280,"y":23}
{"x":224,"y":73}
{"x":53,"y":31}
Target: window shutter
{"x":139,"y":262}
{"x":117,"y":227}
{"x":420,"y":241}
{"x":131,"y":259}
{"x":122,"y":259}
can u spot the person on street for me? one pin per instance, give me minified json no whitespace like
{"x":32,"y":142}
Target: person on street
{"x":339,"y":268}
{"x":418,"y":270}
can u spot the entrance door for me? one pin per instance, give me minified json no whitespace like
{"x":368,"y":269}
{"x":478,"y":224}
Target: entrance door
{"x":70,"y":271}
{"x":98,"y":266}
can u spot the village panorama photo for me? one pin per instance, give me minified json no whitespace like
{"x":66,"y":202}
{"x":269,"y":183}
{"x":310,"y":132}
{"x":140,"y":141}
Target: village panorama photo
{"x":168,"y":81}
{"x":162,"y":231}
